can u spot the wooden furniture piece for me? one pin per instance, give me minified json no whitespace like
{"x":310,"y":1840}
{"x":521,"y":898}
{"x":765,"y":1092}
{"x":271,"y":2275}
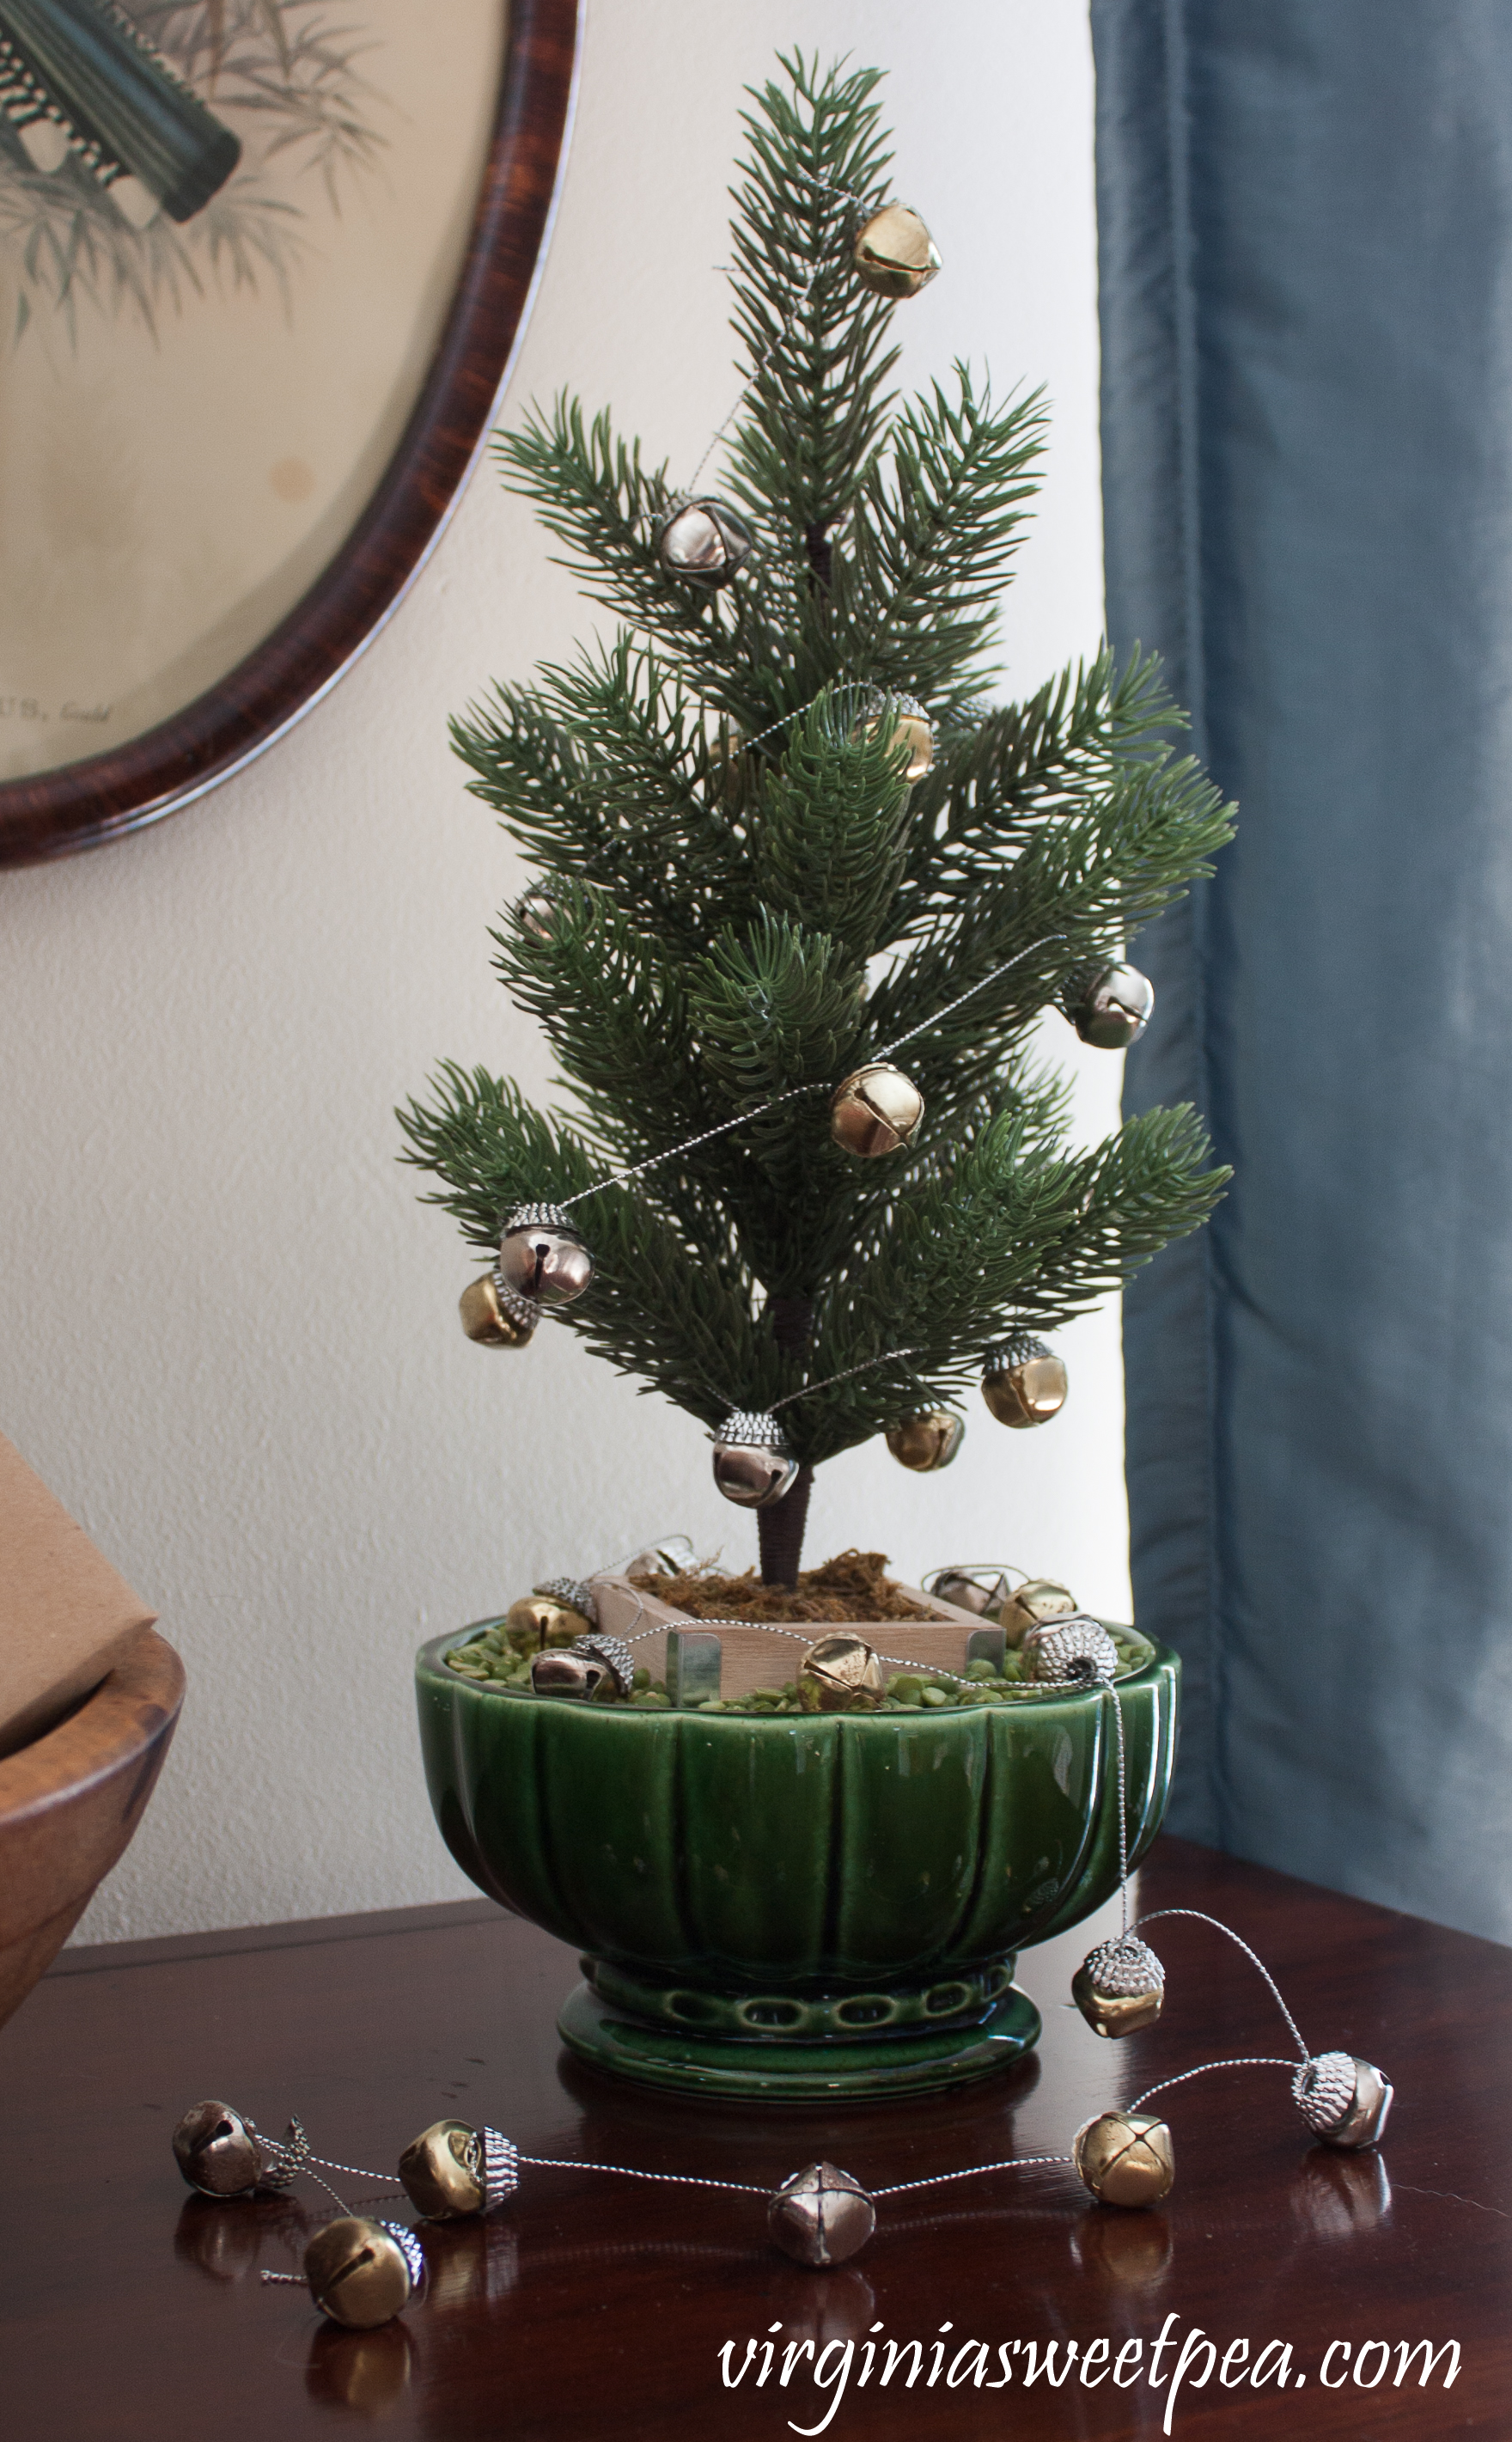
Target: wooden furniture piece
{"x":70,"y":1801}
{"x":592,"y":2308}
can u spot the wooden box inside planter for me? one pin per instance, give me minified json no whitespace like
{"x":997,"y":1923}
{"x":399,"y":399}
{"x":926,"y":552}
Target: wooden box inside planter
{"x":752,"y":1656}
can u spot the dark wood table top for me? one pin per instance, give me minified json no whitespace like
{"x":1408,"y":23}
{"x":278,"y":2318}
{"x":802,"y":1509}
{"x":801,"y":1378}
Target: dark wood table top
{"x":593,"y":2308}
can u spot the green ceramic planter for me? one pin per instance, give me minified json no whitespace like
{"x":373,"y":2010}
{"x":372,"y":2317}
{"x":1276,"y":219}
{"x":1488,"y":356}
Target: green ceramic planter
{"x":796,"y":1905}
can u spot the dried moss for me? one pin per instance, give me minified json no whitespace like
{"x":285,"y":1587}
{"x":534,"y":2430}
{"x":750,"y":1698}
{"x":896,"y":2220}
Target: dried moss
{"x":854,"y":1586}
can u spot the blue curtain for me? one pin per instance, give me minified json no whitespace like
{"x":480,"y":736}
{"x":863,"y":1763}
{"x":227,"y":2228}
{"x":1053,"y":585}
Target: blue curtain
{"x":1305,"y":232}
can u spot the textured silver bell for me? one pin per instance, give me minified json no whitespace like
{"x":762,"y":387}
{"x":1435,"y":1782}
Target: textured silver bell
{"x":575,"y":1591}
{"x":1343,"y":2099}
{"x":541,"y":1256}
{"x":222,"y":2154}
{"x":753,"y":1465}
{"x":615,"y":1655}
{"x":1074,"y":1652}
{"x":362,"y":2274}
{"x":1120,"y":1986}
{"x":1023,"y":1382}
{"x":893,"y":252}
{"x":821,"y":2215}
{"x":1109,"y":1005}
{"x":705,"y":541}
{"x":452,"y":2170}
{"x":564,"y":1672}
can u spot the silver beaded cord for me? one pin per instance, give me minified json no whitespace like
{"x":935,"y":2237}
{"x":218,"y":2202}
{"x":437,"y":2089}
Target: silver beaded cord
{"x":1323,"y":2088}
{"x":500,"y":2168}
{"x":755,"y":1427}
{"x":614,"y":1654}
{"x":1124,"y":1966}
{"x":519,"y":1309}
{"x":575,"y":1591}
{"x":409,"y":2248}
{"x":538,"y":1216}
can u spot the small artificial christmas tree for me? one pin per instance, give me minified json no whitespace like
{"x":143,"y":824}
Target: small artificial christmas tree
{"x":752,"y":886}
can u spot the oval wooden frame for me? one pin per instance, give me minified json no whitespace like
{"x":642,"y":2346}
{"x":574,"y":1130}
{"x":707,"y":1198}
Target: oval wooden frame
{"x":84,"y":804}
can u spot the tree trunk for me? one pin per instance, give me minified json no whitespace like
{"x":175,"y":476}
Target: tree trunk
{"x":779,"y":1529}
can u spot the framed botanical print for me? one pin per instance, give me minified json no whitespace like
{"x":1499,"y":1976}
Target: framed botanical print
{"x":263,"y":264}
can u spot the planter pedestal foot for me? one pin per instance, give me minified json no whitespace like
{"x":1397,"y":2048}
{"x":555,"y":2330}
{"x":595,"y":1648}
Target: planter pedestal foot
{"x":783,"y":2070}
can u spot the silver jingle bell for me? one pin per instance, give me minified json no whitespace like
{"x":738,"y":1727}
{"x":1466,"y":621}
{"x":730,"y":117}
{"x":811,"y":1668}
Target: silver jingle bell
{"x":1343,"y":2099}
{"x":541,"y":1256}
{"x":753,"y":1465}
{"x":705,"y":541}
{"x":821,"y":2215}
{"x":362,"y":2272}
{"x":575,"y":1591}
{"x":1109,"y":1005}
{"x":536,"y":913}
{"x":223,"y":2154}
{"x":565,"y":1670}
{"x":980,"y":1587}
{"x":1120,"y":1986}
{"x":452,"y":2170}
{"x":614,"y":1654}
{"x":1074,"y":1652}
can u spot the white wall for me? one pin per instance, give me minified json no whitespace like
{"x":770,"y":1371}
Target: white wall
{"x":231,"y":1341}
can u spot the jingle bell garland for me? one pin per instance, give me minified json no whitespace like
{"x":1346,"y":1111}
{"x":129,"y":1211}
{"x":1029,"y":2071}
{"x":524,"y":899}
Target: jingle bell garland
{"x":749,"y":889}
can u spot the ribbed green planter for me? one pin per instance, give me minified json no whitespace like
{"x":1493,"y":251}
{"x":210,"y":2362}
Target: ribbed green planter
{"x":801,"y":1905}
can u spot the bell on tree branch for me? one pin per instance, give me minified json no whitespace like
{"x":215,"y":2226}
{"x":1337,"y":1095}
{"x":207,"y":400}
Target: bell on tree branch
{"x":875,"y":1110}
{"x":1024,"y":1383}
{"x":541,"y":1256}
{"x":928,"y":1442}
{"x":905,"y":723}
{"x":893,"y":252}
{"x":1109,"y":1005}
{"x":706,"y":542}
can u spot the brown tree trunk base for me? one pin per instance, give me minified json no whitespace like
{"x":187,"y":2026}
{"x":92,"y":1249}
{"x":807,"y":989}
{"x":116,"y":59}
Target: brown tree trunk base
{"x":779,"y":1531}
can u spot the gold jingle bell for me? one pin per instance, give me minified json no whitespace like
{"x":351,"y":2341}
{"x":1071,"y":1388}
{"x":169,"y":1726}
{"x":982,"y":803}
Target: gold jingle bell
{"x":907,"y":725}
{"x":541,"y":1256}
{"x":706,"y":542}
{"x":1110,"y":1006}
{"x":494,"y":1316}
{"x":753,"y":1465}
{"x":928,"y":1442}
{"x":1034,"y":1603}
{"x":821,"y":2215}
{"x":362,"y":2272}
{"x":1343,"y":2099}
{"x":893,"y":252}
{"x":540,"y":1619}
{"x":219,"y":2152}
{"x":1125,"y":2157}
{"x":1024,"y":1383}
{"x":1120,"y":1987}
{"x":875,"y":1110}
{"x":841,"y":1674}
{"x":452,"y":2170}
